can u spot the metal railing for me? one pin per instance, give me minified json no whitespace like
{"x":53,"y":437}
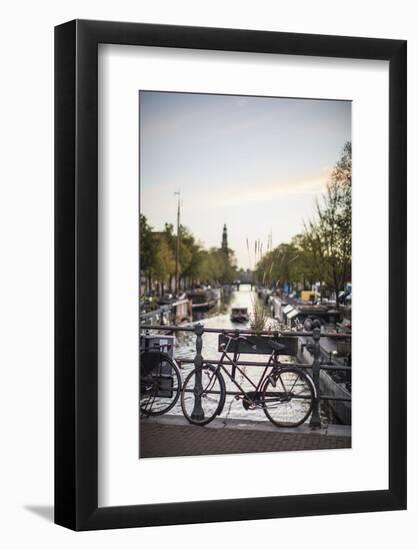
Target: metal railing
{"x":314,"y":348}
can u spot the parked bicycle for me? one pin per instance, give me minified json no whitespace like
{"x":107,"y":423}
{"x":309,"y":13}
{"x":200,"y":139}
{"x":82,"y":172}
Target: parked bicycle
{"x":284,"y":393}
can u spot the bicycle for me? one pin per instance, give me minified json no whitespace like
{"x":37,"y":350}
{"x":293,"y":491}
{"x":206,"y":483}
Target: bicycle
{"x":285,"y":393}
{"x":160,"y":383}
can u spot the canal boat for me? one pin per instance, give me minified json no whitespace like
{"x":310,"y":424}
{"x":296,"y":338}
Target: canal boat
{"x":181,"y":310}
{"x":227,"y":290}
{"x":239,"y":315}
{"x":166,"y":299}
{"x":333,"y":383}
{"x":202,"y":299}
{"x":293,"y":312}
{"x":216,"y":294}
{"x":175,"y":312}
{"x":264,"y":294}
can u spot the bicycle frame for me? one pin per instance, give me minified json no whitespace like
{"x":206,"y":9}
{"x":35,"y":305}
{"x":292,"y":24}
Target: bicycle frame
{"x":272,"y":362}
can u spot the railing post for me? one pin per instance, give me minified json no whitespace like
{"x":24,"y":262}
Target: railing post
{"x":315,"y":421}
{"x":198,"y":413}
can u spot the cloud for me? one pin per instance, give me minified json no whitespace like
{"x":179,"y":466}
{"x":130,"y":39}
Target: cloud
{"x":266,"y":191}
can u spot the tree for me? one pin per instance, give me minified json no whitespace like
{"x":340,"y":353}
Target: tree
{"x":322,"y":252}
{"x":308,"y":264}
{"x":331,"y":232}
{"x":280,"y":265}
{"x":195,"y":265}
{"x":147,"y":250}
{"x":164,"y":261}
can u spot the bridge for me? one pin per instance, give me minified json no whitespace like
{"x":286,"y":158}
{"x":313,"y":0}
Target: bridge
{"x":237,"y":284}
{"x":245,"y":278}
{"x":292,"y":341}
{"x":173,"y":435}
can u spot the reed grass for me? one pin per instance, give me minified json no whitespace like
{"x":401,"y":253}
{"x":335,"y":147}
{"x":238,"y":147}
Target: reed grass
{"x":259,"y":316}
{"x":259,"y":319}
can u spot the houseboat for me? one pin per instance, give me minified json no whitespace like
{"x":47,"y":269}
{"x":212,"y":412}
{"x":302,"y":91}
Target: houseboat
{"x":174,"y":311}
{"x":202,"y":299}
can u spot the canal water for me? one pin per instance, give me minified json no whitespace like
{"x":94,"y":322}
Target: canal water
{"x":219,"y":317}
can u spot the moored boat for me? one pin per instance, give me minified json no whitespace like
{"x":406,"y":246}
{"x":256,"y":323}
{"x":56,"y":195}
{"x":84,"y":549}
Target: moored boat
{"x":201,"y":299}
{"x":239,"y":315}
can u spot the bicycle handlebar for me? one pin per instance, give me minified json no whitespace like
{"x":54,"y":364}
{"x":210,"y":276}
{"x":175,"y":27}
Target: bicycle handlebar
{"x":239,"y":337}
{"x":236,"y":337}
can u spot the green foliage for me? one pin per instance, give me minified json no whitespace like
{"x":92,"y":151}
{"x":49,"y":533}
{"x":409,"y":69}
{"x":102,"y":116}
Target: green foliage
{"x":147,"y":250}
{"x":195,"y":265}
{"x":164,"y":262}
{"x":323,"y":251}
{"x":279,"y":265}
{"x":332,"y":229}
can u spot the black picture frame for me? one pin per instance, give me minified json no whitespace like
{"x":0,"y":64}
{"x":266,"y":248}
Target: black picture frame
{"x":76,"y":271}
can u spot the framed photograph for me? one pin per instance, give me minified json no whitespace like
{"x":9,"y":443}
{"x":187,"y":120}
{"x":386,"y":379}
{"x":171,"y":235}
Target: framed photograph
{"x":230,"y":253}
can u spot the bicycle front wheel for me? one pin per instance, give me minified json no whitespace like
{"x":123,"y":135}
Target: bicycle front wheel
{"x":203,"y":395}
{"x":288,"y":397}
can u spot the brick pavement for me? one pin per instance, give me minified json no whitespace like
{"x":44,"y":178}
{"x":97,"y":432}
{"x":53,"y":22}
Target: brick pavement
{"x":178,"y":438}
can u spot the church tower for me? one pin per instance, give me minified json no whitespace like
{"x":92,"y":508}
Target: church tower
{"x":225,"y":247}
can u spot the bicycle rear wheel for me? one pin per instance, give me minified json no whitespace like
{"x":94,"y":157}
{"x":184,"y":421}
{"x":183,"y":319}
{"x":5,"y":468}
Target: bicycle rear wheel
{"x":203,"y":395}
{"x":160,"y":383}
{"x":288,"y":397}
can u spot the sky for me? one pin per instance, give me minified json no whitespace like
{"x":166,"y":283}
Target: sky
{"x":254,"y":163}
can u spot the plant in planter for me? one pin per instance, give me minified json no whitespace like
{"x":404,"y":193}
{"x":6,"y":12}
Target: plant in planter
{"x":259,"y":317}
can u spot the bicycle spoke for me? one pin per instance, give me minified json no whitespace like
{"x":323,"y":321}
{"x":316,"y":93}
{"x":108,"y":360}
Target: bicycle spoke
{"x":292,"y":387}
{"x":202,"y":395}
{"x":288,"y":408}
